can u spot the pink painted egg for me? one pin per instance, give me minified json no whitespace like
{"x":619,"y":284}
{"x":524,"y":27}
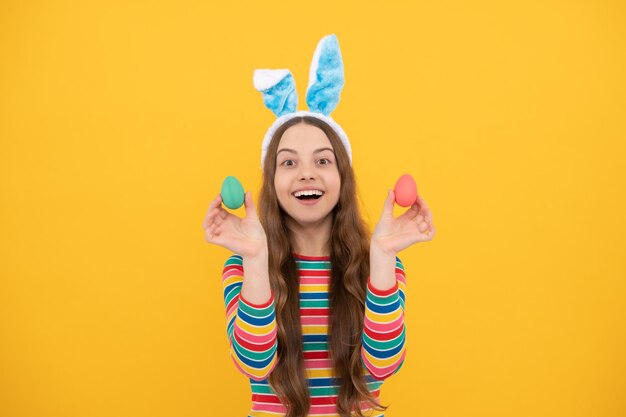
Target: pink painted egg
{"x":405,"y":191}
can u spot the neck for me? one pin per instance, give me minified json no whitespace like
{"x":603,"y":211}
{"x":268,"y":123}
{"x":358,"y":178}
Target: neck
{"x":311,"y":239}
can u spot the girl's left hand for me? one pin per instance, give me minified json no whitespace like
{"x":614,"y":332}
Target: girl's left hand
{"x":392,"y":235}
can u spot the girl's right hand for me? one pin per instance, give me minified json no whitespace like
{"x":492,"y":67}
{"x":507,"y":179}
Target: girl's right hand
{"x":244,"y":237}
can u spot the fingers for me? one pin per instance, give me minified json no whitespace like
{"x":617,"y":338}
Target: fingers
{"x":419,"y":220}
{"x":389,"y":202}
{"x":422,"y":217}
{"x":217,"y":216}
{"x":250,"y":207}
{"x":209,"y":220}
{"x":424,"y":210}
{"x":426,"y":230}
{"x":212,"y":234}
{"x":411,"y":213}
{"x":419,"y":211}
{"x":215,"y":208}
{"x":427,"y":225}
{"x":217,"y":201}
{"x":214,"y":228}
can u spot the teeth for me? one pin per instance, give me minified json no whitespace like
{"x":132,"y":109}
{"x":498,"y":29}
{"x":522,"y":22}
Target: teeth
{"x":308,"y":192}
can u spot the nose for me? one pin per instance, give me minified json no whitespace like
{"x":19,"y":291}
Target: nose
{"x":306,"y":173}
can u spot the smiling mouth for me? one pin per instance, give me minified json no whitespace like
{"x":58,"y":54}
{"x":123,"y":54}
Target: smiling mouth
{"x":308,"y":195}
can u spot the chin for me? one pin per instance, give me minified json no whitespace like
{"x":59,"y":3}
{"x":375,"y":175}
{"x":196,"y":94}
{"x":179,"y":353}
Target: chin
{"x":311,"y":219}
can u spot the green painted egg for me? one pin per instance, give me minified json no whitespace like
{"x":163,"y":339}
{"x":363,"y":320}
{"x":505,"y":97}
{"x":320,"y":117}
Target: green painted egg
{"x":232,"y":193}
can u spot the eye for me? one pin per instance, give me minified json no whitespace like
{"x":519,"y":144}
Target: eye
{"x":285,"y":162}
{"x":324,"y":159}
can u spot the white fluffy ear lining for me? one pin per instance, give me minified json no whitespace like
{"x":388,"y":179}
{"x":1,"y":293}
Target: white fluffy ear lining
{"x":278,"y":88}
{"x":266,"y":78}
{"x":325,"y":76}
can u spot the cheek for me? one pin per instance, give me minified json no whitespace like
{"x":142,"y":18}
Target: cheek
{"x":281,"y":188}
{"x":336,"y":181}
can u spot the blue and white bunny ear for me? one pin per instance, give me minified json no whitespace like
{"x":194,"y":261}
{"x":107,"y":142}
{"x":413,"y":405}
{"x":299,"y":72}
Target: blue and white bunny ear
{"x":325,"y":76}
{"x":278,"y":88}
{"x":325,"y":84}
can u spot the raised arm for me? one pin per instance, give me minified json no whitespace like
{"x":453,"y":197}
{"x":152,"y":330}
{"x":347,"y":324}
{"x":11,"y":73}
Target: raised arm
{"x":251,"y":327}
{"x":383,"y":349}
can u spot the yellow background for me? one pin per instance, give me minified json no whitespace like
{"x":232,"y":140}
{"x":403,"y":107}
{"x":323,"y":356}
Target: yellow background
{"x":119,"y":121}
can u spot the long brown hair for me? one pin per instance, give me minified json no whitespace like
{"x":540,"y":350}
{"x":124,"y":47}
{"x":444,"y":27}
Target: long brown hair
{"x":349,"y":257}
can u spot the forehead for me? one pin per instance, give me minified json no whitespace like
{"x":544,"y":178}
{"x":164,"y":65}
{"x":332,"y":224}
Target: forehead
{"x":304,"y":138}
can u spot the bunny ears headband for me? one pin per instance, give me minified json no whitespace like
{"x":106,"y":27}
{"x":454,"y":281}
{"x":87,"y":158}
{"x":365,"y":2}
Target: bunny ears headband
{"x":322,"y":95}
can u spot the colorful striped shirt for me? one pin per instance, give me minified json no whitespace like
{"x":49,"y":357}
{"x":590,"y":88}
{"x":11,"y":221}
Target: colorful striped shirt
{"x":251,"y":330}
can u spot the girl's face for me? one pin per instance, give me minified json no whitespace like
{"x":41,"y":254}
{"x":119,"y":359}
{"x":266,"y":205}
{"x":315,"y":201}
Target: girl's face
{"x":305,"y":161}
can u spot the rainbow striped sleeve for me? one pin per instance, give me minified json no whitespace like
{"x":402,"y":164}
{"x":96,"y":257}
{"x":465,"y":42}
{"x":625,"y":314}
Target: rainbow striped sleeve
{"x":383,"y":348}
{"x":251,"y":328}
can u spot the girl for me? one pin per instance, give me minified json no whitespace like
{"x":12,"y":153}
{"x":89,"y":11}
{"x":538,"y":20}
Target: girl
{"x":314,"y":304}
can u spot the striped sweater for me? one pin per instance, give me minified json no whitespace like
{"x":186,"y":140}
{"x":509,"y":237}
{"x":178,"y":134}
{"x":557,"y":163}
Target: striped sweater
{"x":251,"y":330}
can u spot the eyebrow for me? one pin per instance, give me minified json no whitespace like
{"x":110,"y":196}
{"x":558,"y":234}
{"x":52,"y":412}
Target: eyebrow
{"x":314,"y":152}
